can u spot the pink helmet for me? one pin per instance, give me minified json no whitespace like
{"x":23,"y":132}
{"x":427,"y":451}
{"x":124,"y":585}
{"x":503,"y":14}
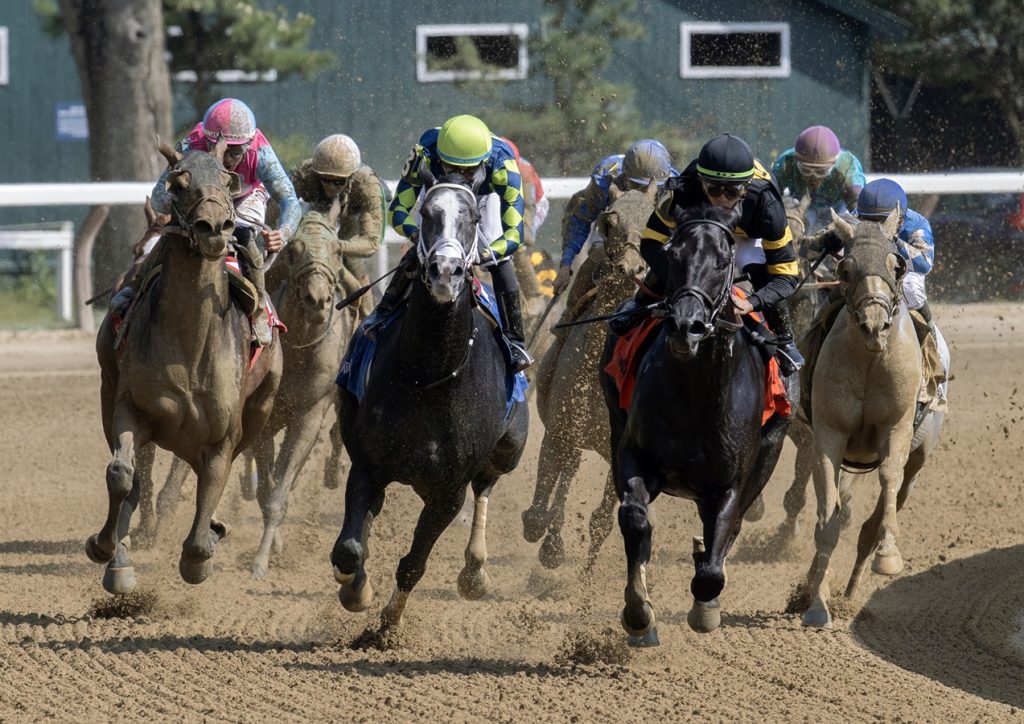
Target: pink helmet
{"x":817,"y":145}
{"x":232,"y":119}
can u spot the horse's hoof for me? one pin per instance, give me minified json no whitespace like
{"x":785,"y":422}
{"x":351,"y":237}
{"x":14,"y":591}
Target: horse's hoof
{"x":817,"y":615}
{"x":756,"y":510}
{"x":474,"y":585}
{"x":888,"y":564}
{"x":119,"y":580}
{"x":195,"y":572}
{"x":259,"y":570}
{"x":534,"y":525}
{"x":638,"y":631}
{"x":96,"y":553}
{"x":343,"y":578}
{"x":649,"y":640}
{"x":220,"y":529}
{"x":704,"y":616}
{"x":552,"y":551}
{"x":356,"y":600}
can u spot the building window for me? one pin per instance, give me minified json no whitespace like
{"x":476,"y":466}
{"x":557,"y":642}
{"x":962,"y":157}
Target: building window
{"x":5,"y":76}
{"x":228,"y":75}
{"x":471,"y":52}
{"x":734,"y":50}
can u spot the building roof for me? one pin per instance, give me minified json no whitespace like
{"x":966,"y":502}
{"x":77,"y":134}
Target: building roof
{"x":881,"y":22}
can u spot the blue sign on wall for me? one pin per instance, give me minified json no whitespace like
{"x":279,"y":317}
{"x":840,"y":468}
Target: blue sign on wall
{"x":71,"y":121}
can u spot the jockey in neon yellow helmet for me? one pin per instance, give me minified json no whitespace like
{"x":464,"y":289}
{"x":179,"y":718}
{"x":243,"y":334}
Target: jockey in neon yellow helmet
{"x":465,"y":147}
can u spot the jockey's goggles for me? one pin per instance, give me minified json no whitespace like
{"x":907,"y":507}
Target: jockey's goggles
{"x":334,"y":180}
{"x":466,"y":172}
{"x":715,"y":189}
{"x":236,"y":152}
{"x":814,"y":170}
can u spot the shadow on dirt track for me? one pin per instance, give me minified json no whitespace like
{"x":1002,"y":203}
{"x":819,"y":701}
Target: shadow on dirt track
{"x":954,"y":623}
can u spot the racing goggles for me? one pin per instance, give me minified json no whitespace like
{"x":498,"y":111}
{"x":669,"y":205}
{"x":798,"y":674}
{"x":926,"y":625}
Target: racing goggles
{"x":235,"y":153}
{"x":814,"y":170}
{"x":716,"y":189}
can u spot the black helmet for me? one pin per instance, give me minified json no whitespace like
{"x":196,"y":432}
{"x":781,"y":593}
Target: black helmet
{"x":726,"y":158}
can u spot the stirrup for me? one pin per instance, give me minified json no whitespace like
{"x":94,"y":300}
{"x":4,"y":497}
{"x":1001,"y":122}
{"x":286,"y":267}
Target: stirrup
{"x":521,"y":359}
{"x":790,"y":359}
{"x":261,"y":329}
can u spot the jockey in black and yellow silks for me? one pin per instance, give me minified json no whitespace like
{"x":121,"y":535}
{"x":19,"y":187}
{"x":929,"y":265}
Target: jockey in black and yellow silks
{"x":727,"y":174}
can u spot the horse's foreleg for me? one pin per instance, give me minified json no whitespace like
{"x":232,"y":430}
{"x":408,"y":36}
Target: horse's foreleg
{"x":829,"y":448}
{"x":600,"y":525}
{"x":170,"y":494}
{"x":796,"y":495}
{"x":638,"y":614}
{"x":262,"y":455}
{"x":473,"y":582}
{"x":363,"y":499}
{"x":120,"y":480}
{"x":555,"y":454}
{"x":721,"y":521}
{"x":197,"y":550}
{"x":436,"y":515}
{"x":146,"y":532}
{"x":888,"y":560}
{"x":866,"y":543}
{"x":249,"y":476}
{"x":552,"y":549}
{"x":334,"y":468}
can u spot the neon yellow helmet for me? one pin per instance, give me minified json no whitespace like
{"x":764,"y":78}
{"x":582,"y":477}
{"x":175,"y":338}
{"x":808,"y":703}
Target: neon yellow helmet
{"x":464,"y":141}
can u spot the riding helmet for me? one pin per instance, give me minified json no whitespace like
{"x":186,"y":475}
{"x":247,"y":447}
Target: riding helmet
{"x":726,"y":158}
{"x":232,"y":119}
{"x":645,"y":161}
{"x":817,"y":146}
{"x":337,"y":156}
{"x":464,"y":141}
{"x":878,"y":198}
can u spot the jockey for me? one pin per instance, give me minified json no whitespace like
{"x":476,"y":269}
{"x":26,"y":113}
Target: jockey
{"x":726,"y":174}
{"x":251,"y":156}
{"x":336,"y":170}
{"x":465,"y":146}
{"x":819,"y":167}
{"x":644,"y":162}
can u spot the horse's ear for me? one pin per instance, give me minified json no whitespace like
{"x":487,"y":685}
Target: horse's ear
{"x":607,"y":221}
{"x":891,"y":225}
{"x":897,"y":265}
{"x":614,"y":192}
{"x":233,"y":182}
{"x":842,"y":226}
{"x":805,"y":203}
{"x":147,"y":209}
{"x":478,"y":178}
{"x":180,"y":178}
{"x":172,"y":155}
{"x":426,"y":175}
{"x":652,"y":191}
{"x":220,"y":147}
{"x":296,"y":248}
{"x":844,"y":269}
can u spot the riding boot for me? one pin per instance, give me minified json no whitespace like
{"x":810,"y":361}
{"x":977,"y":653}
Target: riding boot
{"x":393,"y":294}
{"x":506,"y":292}
{"x":254,"y":272}
{"x":779,"y":319}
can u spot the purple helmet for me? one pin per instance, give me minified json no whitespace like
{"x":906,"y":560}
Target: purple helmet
{"x":231,"y":118}
{"x":817,"y":146}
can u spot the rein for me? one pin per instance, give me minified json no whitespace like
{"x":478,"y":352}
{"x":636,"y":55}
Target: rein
{"x":184,"y":227}
{"x":469,"y":256}
{"x":714,"y":306}
{"x":449,"y":376}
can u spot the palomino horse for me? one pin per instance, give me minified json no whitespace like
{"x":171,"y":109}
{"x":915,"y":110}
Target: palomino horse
{"x":569,"y":396}
{"x":181,"y":377}
{"x":864,"y":400}
{"x":694,"y":425}
{"x":313,"y":349}
{"x":434,"y":414}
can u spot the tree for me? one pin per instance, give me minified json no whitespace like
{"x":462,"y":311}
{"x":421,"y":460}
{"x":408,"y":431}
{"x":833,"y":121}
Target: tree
{"x":974,"y":44}
{"x":216,"y":35}
{"x":118,"y":46}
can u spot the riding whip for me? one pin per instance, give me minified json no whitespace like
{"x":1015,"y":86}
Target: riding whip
{"x":96,"y":297}
{"x":543,"y":316}
{"x":810,"y":273}
{"x":363,"y":289}
{"x":653,"y":307}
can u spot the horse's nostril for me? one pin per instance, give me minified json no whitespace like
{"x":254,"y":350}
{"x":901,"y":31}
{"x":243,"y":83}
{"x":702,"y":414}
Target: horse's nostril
{"x":434,"y":270}
{"x":458,"y":272}
{"x":697,"y":328}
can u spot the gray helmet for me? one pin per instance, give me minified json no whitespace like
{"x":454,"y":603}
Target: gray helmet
{"x":336,"y":156}
{"x":645,"y":161}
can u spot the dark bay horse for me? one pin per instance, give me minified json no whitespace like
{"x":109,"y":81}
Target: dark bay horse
{"x":181,"y":377}
{"x":434,"y":413}
{"x":693,"y":428}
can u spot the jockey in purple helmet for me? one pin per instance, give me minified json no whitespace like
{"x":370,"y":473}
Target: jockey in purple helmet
{"x":819,"y":167}
{"x":250,"y":155}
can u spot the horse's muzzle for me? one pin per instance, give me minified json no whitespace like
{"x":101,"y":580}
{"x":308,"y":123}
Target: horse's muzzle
{"x":212,"y":246}
{"x":445,"y":275}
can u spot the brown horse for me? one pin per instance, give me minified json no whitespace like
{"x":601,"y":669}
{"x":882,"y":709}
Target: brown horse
{"x":863,"y":405}
{"x":180,"y":376}
{"x":313,"y":349}
{"x":569,"y":397}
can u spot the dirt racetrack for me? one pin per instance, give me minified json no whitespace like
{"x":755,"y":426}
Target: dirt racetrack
{"x":942,"y":641}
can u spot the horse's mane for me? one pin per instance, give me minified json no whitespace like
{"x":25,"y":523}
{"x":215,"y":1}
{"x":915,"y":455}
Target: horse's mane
{"x":706,"y":211}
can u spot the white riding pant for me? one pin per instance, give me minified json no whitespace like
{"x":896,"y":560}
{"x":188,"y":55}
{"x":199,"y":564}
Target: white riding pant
{"x":913,"y":290}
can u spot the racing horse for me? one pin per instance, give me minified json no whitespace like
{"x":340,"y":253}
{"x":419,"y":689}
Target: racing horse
{"x":181,"y":375}
{"x":863,"y":408}
{"x":693,"y":427}
{"x":569,"y":397}
{"x":434,"y":414}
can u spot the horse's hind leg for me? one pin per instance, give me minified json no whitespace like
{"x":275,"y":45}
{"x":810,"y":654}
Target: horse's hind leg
{"x":146,"y":532}
{"x":267,"y":483}
{"x":170,"y":494}
{"x":334,"y":468}
{"x":552,"y":549}
{"x":364,"y":496}
{"x":796,"y":495}
{"x":554,"y":452}
{"x":197,"y":550}
{"x":473,"y":582}
{"x":600,"y":524}
{"x":638,"y":614}
{"x":120,"y":480}
{"x":829,"y":446}
{"x":436,"y":515}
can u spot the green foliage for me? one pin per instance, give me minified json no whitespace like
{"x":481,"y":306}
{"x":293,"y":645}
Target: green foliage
{"x":977,"y":44}
{"x":28,"y":290}
{"x":48,"y":13}
{"x":238,"y":34}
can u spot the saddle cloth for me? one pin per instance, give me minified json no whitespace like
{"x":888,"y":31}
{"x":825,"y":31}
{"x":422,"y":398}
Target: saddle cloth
{"x":630,"y":348}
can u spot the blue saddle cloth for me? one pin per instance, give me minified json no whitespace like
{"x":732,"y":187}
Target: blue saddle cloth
{"x":356,"y":367}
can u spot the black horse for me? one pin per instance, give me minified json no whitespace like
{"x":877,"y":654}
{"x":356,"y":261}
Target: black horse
{"x":434,"y":414}
{"x":693,"y":428}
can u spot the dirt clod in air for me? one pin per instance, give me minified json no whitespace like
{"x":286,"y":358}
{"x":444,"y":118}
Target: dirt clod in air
{"x":588,"y":648}
{"x":134,"y":604}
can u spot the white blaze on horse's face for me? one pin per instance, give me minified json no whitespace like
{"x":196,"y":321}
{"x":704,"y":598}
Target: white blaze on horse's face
{"x":447,"y":244}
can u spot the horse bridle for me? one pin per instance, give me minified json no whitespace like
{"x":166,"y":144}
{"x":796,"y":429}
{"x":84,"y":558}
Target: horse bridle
{"x":469,"y":256}
{"x":890,"y":302}
{"x":184,"y":225}
{"x":712,"y":307}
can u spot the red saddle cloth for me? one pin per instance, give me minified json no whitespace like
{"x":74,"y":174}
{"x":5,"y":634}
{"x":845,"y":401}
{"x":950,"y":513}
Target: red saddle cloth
{"x":626,"y":357}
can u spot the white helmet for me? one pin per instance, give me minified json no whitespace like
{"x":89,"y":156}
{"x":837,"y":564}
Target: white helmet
{"x":336,"y":156}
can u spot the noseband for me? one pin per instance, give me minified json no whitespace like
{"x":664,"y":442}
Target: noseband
{"x":185,"y":224}
{"x":889,"y":302}
{"x":453,"y":247}
{"x":712,"y":306}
